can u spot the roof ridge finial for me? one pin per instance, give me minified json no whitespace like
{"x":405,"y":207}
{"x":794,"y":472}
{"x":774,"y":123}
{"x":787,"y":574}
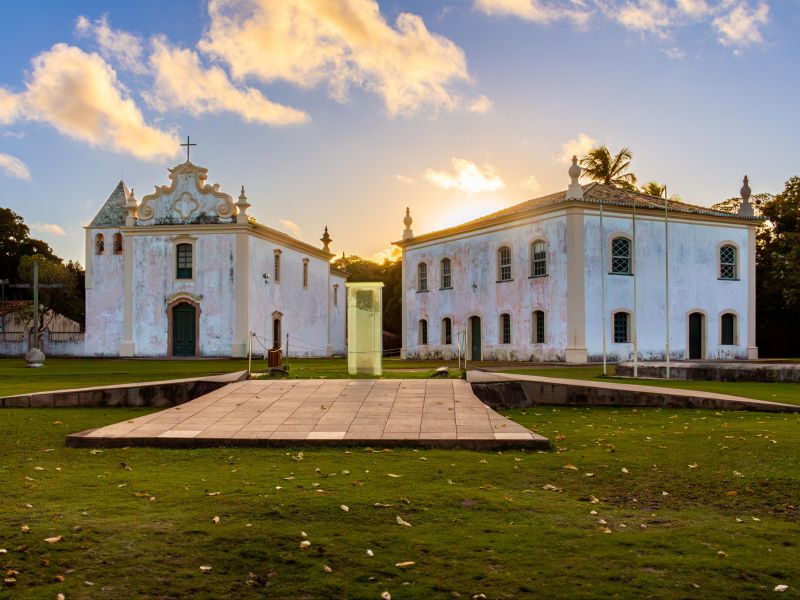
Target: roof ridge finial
{"x":326,"y":240}
{"x":574,"y":191}
{"x":407,"y":221}
{"x":745,"y":209}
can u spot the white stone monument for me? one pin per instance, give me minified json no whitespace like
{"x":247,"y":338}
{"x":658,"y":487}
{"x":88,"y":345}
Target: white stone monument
{"x":364,"y":328}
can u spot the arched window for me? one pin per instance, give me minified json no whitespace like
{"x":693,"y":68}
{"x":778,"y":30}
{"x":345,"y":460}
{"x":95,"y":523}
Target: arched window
{"x":504,"y":264}
{"x":621,"y":256}
{"x":184,"y":261}
{"x":305,"y":273}
{"x":538,"y":327}
{"x":99,"y":244}
{"x":539,"y":258}
{"x":422,"y":277}
{"x":423,"y":332}
{"x":117,"y":243}
{"x":505,"y":328}
{"x":622,"y":330}
{"x":447,"y":331}
{"x":277,"y":266}
{"x":728,"y":329}
{"x":447,"y":280}
{"x":727,"y":262}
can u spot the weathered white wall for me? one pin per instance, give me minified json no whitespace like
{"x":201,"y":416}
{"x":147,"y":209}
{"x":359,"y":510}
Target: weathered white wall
{"x":154,"y":282}
{"x":694,"y":285}
{"x":104,"y":296}
{"x":476,"y":291}
{"x":338,"y":318}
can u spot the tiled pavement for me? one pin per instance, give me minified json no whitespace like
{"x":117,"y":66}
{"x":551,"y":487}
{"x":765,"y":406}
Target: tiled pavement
{"x":385,"y":412}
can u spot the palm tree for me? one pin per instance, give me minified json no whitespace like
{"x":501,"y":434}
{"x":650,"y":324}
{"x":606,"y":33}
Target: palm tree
{"x":599,"y":165}
{"x":654,"y":188}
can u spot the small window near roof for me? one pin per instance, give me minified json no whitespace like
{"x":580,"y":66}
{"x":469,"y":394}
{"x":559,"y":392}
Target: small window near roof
{"x":728,"y":334}
{"x":727,"y":262}
{"x":99,"y":244}
{"x":621,"y":328}
{"x":117,"y":243}
{"x":539,"y":258}
{"x":446,"y":282}
{"x":621,"y":256}
{"x":504,"y":264}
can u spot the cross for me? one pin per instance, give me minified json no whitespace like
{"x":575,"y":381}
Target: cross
{"x":187,"y":144}
{"x":36,"y":285}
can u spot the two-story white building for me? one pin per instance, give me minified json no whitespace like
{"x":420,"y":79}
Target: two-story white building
{"x":186,"y":272}
{"x":593,"y":269}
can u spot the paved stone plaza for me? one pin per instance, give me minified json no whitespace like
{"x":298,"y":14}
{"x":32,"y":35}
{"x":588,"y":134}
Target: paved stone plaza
{"x":434,"y":412}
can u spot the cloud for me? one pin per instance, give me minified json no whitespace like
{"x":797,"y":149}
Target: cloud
{"x":9,"y":106}
{"x":14,"y":167}
{"x":694,"y":8}
{"x":405,"y":179}
{"x":467,"y":177}
{"x":290,"y":227}
{"x":647,"y":16}
{"x":121,"y":47}
{"x":530,"y":184}
{"x":481,"y":105}
{"x":674,"y":53}
{"x":181,"y":82}
{"x":340,"y":45}
{"x":78,"y":93}
{"x":578,"y":146}
{"x":741,"y":26}
{"x":535,"y":11}
{"x":391,"y":253}
{"x":48,"y":228}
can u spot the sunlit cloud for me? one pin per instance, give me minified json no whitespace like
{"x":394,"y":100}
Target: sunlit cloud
{"x":391,"y":253}
{"x":78,"y":93}
{"x":467,"y":177}
{"x":674,"y":53}
{"x":9,"y":106}
{"x":530,"y":184}
{"x":694,"y":8}
{"x":290,"y":227}
{"x":121,"y":47}
{"x":578,"y":146}
{"x":14,"y":167}
{"x":649,"y":16}
{"x":182,"y":83}
{"x":741,"y":26}
{"x":480,"y":105}
{"x":405,"y":179}
{"x":51,"y":228}
{"x":536,"y":11}
{"x":339,"y":45}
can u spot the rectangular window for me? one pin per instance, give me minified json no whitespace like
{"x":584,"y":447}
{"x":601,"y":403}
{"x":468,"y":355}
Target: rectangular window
{"x":538,"y":327}
{"x":728,"y":330}
{"x":621,"y":334}
{"x":336,"y":295}
{"x":184,"y":266}
{"x":305,"y":273}
{"x":505,"y":326}
{"x":422,"y":277}
{"x":423,"y":332}
{"x":621,"y":256}
{"x":727,"y":262}
{"x":538,"y":259}
{"x":447,"y":331}
{"x":277,"y":268}
{"x":446,"y":278}
{"x":504,"y":264}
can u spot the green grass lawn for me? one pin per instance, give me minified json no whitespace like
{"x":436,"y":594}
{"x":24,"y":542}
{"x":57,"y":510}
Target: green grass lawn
{"x":774,"y":392}
{"x":708,"y":507}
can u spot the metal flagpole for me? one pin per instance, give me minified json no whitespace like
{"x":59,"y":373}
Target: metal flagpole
{"x":635,"y":328}
{"x":603,"y":270}
{"x":35,"y":302}
{"x":666,"y":269}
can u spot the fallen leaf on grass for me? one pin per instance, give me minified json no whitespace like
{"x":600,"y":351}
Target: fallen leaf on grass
{"x":722,"y":554}
{"x":25,"y":529}
{"x":370,"y":552}
{"x":215,"y":520}
{"x":386,"y":596}
{"x":381,"y":505}
{"x":780,"y":588}
{"x":393,"y":475}
{"x":400,"y":521}
{"x":405,"y":564}
{"x":345,"y":508}
{"x":54,"y":539}
{"x":624,"y":470}
{"x":571,"y":467}
{"x":213,"y":493}
{"x":327,"y":569}
{"x":550,"y":487}
{"x":305,"y":544}
{"x":205,"y":568}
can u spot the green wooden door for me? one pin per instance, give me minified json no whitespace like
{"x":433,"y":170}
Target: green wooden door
{"x":475,"y":338}
{"x":183,"y":330}
{"x":695,"y":336}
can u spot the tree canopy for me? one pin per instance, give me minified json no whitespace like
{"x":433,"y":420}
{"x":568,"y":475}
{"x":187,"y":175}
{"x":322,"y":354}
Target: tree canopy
{"x":601,"y":166}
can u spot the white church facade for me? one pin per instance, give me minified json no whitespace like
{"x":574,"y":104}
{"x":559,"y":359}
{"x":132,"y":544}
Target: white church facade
{"x":186,"y":272}
{"x":583,"y":272}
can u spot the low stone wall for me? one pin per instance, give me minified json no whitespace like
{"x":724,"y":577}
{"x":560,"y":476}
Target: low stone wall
{"x":150,"y":393}
{"x":717,"y":371}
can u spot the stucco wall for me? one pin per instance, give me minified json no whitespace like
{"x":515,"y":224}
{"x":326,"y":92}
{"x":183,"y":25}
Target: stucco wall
{"x":694,"y":286}
{"x":104,"y":296}
{"x":338,"y":319}
{"x":476,"y":291}
{"x":154,"y":282}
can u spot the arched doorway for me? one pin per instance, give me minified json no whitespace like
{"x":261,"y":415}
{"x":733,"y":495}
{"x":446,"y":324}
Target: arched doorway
{"x":276,"y":333}
{"x":475,"y":338}
{"x":696,"y":335}
{"x":184,"y":330}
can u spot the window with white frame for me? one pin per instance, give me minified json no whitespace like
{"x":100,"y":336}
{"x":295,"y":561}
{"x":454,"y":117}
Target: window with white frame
{"x":728,"y":329}
{"x":504,"y":264}
{"x":183,"y":261}
{"x":622,"y":333}
{"x":422,"y":277}
{"x":538,"y":327}
{"x":539,"y":258}
{"x":423,"y":332}
{"x":447,"y":281}
{"x":447,"y":331}
{"x":505,"y":328}
{"x":621,"y":256}
{"x":727,"y":262}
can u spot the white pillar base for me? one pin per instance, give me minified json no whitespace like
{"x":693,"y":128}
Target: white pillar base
{"x":576,"y":356}
{"x":127,"y":349}
{"x":752,"y":353}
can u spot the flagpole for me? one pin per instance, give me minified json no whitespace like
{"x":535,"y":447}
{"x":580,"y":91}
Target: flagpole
{"x":635,"y":323}
{"x":666,"y":269}
{"x":603,"y":270}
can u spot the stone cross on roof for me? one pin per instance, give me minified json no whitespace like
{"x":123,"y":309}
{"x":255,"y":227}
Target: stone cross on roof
{"x":187,"y":144}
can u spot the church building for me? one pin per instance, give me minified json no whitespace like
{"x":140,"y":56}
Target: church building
{"x":187,"y":272}
{"x":580,"y":273}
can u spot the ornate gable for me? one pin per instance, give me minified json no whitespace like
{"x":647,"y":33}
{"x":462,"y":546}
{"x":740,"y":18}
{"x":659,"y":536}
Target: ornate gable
{"x":188,"y":199}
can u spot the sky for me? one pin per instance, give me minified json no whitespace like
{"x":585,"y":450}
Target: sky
{"x":342,"y":113}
